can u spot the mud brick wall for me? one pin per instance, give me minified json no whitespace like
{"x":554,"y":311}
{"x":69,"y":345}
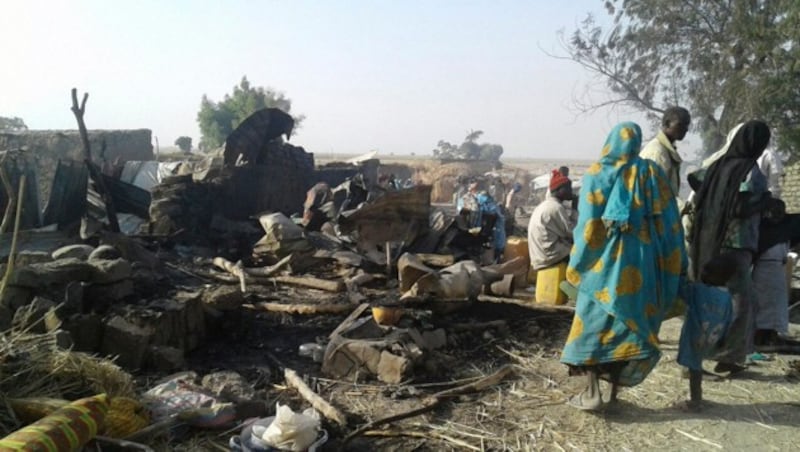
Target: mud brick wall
{"x":46,"y":147}
{"x":791,"y":187}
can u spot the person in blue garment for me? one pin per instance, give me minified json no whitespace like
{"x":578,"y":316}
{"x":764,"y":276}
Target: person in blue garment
{"x":626,"y":263}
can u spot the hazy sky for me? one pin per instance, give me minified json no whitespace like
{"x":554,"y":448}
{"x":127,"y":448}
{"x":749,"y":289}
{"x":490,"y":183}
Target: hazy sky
{"x":396,"y":76}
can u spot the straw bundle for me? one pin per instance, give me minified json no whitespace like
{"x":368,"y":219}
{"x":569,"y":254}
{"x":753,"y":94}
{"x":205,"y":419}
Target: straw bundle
{"x":32,"y":365}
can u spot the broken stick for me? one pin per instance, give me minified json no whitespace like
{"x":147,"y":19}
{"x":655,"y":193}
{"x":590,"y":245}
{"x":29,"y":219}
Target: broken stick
{"x":11,"y":255}
{"x":319,"y":404}
{"x":94,"y":172}
{"x":269,"y":270}
{"x":234,"y":269}
{"x":12,"y":199}
{"x":304,"y":309}
{"x":429,"y":403}
{"x":311,"y":282}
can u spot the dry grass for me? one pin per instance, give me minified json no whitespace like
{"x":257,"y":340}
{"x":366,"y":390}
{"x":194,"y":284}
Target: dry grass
{"x":32,"y":365}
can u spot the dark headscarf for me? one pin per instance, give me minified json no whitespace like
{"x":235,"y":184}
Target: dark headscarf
{"x":716,"y":199}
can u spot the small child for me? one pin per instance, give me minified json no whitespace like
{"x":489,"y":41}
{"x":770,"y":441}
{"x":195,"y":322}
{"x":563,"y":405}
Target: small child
{"x":708,"y":316}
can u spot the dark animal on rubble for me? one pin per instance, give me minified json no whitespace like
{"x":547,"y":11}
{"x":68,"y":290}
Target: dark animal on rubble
{"x":247,"y":142}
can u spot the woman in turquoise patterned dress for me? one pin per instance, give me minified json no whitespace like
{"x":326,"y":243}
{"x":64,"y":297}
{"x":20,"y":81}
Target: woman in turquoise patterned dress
{"x":626,"y":263}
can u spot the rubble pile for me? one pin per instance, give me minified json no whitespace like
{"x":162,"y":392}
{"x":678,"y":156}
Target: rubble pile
{"x":181,"y":205}
{"x":225,"y":249}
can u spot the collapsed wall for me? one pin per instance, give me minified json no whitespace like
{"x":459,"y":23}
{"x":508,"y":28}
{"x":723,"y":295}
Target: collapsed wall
{"x":47,"y":147}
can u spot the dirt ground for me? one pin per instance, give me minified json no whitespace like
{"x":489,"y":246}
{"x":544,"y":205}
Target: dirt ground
{"x":756,"y":411}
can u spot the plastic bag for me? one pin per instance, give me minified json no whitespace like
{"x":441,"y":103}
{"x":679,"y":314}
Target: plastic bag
{"x":290,"y":430}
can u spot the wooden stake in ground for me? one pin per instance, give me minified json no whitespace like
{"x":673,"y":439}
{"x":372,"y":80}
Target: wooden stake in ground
{"x":94,"y":172}
{"x":13,"y":251}
{"x":319,"y":404}
{"x":433,"y":401}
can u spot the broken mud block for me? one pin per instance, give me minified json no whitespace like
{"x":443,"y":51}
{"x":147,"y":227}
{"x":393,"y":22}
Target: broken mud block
{"x":223,"y":298}
{"x":105,"y":252}
{"x":16,"y":297}
{"x":365,"y":349}
{"x":165,"y":359}
{"x":178,"y":322}
{"x":31,"y":317}
{"x":127,"y":341}
{"x":228,"y":385}
{"x":109,"y":271}
{"x":63,"y":339}
{"x":80,"y":252}
{"x":100,"y":297}
{"x":86,"y":331}
{"x":57,"y":272}
{"x":24,"y":258}
{"x":410,"y":269}
{"x":393,"y":369}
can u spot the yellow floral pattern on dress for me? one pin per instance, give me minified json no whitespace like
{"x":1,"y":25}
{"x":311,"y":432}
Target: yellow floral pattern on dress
{"x":594,"y":168}
{"x":606,"y":336}
{"x":627,"y":133}
{"x":630,"y":281}
{"x":632,"y":325}
{"x":597,"y":267}
{"x":616,"y":252}
{"x":650,"y":309}
{"x":626,"y":350}
{"x":629,"y":177}
{"x":606,"y":149}
{"x":576,"y":330}
{"x":674,"y":262}
{"x":573,"y":276}
{"x":594,"y":233}
{"x":595,"y":197}
{"x":603,"y":295}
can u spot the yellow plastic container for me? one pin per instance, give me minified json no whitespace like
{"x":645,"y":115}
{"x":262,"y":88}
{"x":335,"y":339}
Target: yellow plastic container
{"x":516,"y":247}
{"x":547,"y":284}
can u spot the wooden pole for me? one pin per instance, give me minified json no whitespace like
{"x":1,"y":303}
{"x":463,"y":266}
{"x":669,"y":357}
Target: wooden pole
{"x":319,"y":404}
{"x":13,"y":251}
{"x":94,"y":173}
{"x":12,"y":200}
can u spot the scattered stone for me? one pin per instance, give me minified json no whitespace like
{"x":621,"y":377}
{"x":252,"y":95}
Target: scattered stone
{"x":73,"y":297}
{"x":393,"y":369}
{"x":126,"y":341}
{"x":105,"y":252}
{"x":63,"y":340}
{"x":81,"y":252}
{"x":165,"y":359}
{"x":102,"y":296}
{"x":31,"y":317}
{"x":24,"y":258}
{"x":109,"y":271}
{"x":59,"y":272}
{"x":86,"y":331}
{"x":16,"y":297}
{"x":228,"y":385}
{"x":224,"y":298}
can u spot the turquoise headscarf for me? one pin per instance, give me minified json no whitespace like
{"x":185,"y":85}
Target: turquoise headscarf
{"x":626,"y":260}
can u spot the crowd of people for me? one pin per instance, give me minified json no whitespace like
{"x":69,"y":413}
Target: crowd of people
{"x":638,"y":254}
